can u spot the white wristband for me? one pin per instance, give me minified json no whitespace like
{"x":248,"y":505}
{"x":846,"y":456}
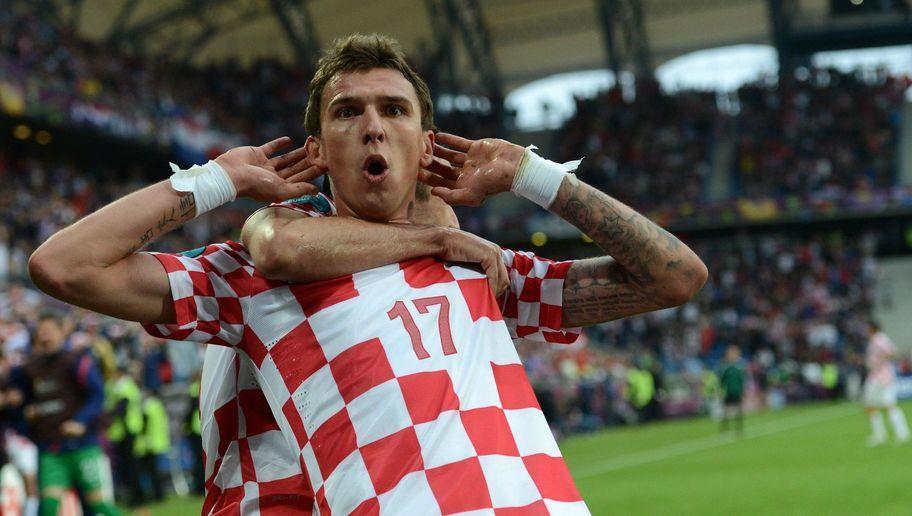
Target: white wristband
{"x":539,"y":179}
{"x":210,"y":185}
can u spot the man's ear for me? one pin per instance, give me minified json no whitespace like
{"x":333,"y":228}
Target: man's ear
{"x":427,"y":157}
{"x":315,"y":151}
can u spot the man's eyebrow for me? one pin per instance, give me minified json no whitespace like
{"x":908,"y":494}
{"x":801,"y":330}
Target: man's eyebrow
{"x":349,"y":99}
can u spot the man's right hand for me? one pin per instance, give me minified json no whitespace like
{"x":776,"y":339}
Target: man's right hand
{"x":459,"y":246}
{"x":258,"y":176}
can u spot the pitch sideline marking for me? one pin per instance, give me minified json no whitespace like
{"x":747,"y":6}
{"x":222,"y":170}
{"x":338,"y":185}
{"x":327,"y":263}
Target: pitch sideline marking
{"x":714,"y":441}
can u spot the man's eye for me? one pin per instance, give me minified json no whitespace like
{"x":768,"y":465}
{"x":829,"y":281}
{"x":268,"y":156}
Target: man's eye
{"x":395,"y":110}
{"x":346,"y":113}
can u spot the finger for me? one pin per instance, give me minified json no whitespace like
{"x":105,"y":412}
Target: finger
{"x":457,"y":197}
{"x":307,"y":175}
{"x":504,"y":275}
{"x":442,"y":168}
{"x":454,"y":157}
{"x":269,"y":148}
{"x":289,"y":158}
{"x":295,"y":168}
{"x":454,"y":142}
{"x":431,"y":179}
{"x":294,"y":190}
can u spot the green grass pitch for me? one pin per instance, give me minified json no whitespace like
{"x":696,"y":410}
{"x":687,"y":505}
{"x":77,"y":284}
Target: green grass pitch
{"x":803,"y":461}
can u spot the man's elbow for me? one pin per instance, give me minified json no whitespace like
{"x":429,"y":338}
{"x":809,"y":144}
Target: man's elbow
{"x":685,"y":283}
{"x":49,"y":275}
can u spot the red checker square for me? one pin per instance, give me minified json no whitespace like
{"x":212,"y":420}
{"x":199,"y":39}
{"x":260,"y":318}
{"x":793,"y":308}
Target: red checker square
{"x":424,"y":272}
{"x":480,"y":299}
{"x":460,"y":486}
{"x":202,"y":285}
{"x":537,"y":508}
{"x":333,"y":441}
{"x":359,"y":368}
{"x":248,"y":470}
{"x":298,"y":355}
{"x":230,"y":311}
{"x":391,"y":458}
{"x":322,"y":503}
{"x":513,"y":387}
{"x":510,"y":305}
{"x":550,"y":316}
{"x":237,"y":280}
{"x":170,"y":262}
{"x":557,"y":270}
{"x":226,"y":502}
{"x":552,"y":478}
{"x":369,"y":507}
{"x":256,"y":410}
{"x":253,"y":346}
{"x":428,"y":394}
{"x":226,"y":417}
{"x":185,"y":310}
{"x":489,"y":431}
{"x":531,"y":291}
{"x":276,"y":497}
{"x":211,"y":327}
{"x":294,"y":420}
{"x":522,"y":263}
{"x":560,"y":337}
{"x":258,"y":283}
{"x":314,"y":297}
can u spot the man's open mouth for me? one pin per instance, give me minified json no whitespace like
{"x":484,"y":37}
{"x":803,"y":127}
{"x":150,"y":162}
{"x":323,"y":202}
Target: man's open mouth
{"x":375,"y":168}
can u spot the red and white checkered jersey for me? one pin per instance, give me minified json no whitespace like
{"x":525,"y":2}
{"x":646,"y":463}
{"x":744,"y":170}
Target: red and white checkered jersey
{"x":236,"y":420}
{"x":251,"y":468}
{"x":400,"y":385}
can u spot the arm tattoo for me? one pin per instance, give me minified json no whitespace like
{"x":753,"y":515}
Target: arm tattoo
{"x":603,"y":289}
{"x":184,"y":211}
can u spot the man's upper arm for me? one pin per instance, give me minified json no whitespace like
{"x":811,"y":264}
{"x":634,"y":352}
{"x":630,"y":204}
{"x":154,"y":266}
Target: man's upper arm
{"x":135,"y":289}
{"x":598,"y":290}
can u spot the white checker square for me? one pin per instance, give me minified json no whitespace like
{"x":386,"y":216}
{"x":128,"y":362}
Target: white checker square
{"x":181,"y":284}
{"x":250,"y":504}
{"x":384,"y":273}
{"x":552,"y":291}
{"x":349,"y":485}
{"x":229,"y":473}
{"x":508,"y":481}
{"x":479,"y":512}
{"x":499,"y":348}
{"x":531,"y":432}
{"x":474,"y":381}
{"x":272,"y":457}
{"x":567,"y":508}
{"x":528,"y":313}
{"x":462,"y":271}
{"x":412,"y":495}
{"x":334,"y":335}
{"x":313,"y":467}
{"x":221,"y":287}
{"x":207,"y":308}
{"x":273,"y":313}
{"x":272,"y":383}
{"x":223,"y":262}
{"x":231,"y":333}
{"x":379,"y":412}
{"x":444,"y":440}
{"x":517,"y":282}
{"x":318,"y":399}
{"x":198,"y":336}
{"x":192,"y":264}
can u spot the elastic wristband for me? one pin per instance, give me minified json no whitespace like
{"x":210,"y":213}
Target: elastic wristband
{"x":210,"y":185}
{"x":539,"y":179}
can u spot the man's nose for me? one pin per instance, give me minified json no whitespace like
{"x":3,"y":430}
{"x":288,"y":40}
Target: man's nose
{"x":373,"y":126}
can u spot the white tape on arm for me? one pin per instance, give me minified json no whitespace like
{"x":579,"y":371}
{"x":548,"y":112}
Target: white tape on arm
{"x":539,"y":179}
{"x":210,"y":185}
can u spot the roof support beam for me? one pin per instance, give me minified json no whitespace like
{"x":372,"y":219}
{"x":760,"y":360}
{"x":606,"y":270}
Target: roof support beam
{"x":624,"y":30}
{"x":299,"y":28}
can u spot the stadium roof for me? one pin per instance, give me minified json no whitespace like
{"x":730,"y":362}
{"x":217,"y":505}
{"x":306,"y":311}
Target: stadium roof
{"x":531,"y":39}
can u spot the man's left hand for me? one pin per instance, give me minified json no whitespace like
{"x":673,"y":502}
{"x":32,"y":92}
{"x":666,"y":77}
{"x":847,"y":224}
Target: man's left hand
{"x":465,"y":172}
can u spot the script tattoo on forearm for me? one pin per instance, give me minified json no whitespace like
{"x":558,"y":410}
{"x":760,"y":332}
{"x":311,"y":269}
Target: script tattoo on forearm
{"x":601,"y":289}
{"x":170,"y":219}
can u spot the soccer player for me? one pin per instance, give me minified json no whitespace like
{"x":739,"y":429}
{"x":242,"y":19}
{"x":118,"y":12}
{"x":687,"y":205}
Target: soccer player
{"x":399,"y":386}
{"x":880,"y":388}
{"x":732,"y":377}
{"x":63,"y":395}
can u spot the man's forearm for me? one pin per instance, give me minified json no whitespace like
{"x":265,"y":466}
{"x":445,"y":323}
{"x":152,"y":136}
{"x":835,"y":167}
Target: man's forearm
{"x":308,"y":249}
{"x":650,"y":269}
